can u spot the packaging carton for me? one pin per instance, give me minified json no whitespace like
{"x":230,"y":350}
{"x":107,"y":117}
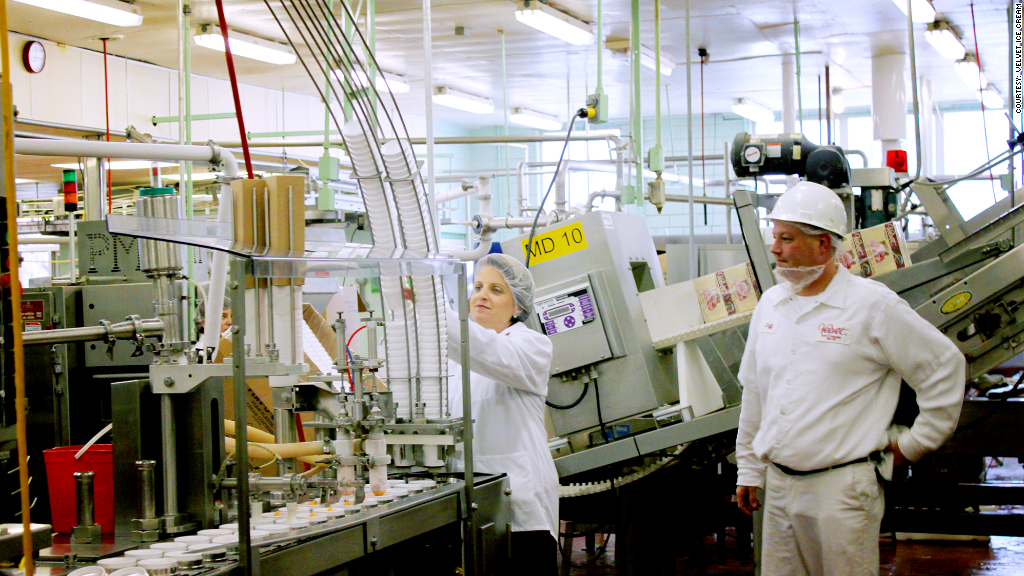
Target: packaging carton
{"x":875,"y":250}
{"x":727,"y":292}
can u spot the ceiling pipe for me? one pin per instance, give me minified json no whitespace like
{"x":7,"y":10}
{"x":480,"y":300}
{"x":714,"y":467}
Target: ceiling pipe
{"x":689,"y":137}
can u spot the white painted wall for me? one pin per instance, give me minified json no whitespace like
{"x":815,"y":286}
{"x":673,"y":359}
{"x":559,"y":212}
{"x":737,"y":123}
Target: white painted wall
{"x":70,"y":90}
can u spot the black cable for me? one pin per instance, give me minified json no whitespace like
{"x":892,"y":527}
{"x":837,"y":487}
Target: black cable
{"x":581,"y":113}
{"x":600,"y":418}
{"x":575,"y":403}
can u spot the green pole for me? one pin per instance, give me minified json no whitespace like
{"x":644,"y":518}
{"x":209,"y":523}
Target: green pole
{"x":371,"y":40}
{"x":186,"y":44}
{"x":799,"y":98}
{"x":638,"y":135}
{"x":600,"y":44}
{"x":504,"y":105}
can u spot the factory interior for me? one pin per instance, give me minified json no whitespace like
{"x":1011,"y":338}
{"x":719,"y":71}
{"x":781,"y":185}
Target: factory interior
{"x":172,"y":161}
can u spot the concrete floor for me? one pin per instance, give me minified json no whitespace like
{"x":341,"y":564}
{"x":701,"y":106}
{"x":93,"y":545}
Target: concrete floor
{"x":998,"y":556}
{"x":1001,"y":556}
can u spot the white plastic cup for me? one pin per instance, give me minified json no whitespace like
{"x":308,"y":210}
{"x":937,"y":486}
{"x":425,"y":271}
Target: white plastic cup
{"x":158,"y":564}
{"x":111,"y":564}
{"x":89,"y":571}
{"x":296,"y":525}
{"x":130,"y":571}
{"x":212,"y":533}
{"x":186,"y":560}
{"x":193,"y":539}
{"x":275,"y":530}
{"x":331,"y":512}
{"x":144,"y":554}
{"x":169,"y":546}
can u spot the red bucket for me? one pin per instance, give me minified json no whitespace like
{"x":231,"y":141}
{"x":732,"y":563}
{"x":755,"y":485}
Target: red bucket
{"x":60,"y":469}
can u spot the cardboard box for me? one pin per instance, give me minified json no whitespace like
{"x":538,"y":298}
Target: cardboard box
{"x":261,"y":212}
{"x":875,"y":250}
{"x":727,"y":292}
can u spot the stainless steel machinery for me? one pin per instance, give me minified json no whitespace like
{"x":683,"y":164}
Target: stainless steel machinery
{"x":590,"y":272}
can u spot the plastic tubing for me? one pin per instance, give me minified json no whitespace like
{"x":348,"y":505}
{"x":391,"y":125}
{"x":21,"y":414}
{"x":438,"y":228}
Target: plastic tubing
{"x":255,"y":434}
{"x":219,"y":268}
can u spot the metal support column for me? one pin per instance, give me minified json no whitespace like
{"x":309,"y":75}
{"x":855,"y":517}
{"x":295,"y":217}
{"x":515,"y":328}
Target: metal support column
{"x":751,"y":230}
{"x":94,"y":179}
{"x":248,"y":560}
{"x":469,"y":553}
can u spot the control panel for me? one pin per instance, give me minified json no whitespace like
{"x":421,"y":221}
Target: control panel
{"x":569,"y":313}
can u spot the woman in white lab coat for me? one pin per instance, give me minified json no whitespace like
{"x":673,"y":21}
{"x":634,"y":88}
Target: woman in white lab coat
{"x":510,"y":366}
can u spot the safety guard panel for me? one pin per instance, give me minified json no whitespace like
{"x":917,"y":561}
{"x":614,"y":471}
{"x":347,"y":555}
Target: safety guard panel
{"x":568,"y":314}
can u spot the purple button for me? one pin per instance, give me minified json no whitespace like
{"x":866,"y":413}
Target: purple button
{"x":570,"y":321}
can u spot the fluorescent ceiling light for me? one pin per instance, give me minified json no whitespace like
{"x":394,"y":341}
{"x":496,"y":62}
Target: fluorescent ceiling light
{"x":838,"y":101}
{"x":923,"y":9}
{"x":24,"y":181}
{"x":525,"y":117}
{"x":647,"y":55}
{"x":111,"y":12}
{"x":942,"y":37}
{"x":970,"y":73}
{"x":246,"y":46}
{"x":991,"y":97}
{"x":461,"y":101}
{"x":753,"y":111}
{"x":551,"y":21}
{"x":121,"y":165}
{"x":385,"y":81}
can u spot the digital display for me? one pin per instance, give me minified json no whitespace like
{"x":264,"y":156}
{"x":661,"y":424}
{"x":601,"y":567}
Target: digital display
{"x":560,"y":311}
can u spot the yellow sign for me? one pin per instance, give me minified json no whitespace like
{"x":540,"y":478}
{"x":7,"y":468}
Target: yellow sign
{"x":956,"y":302}
{"x":556,"y":243}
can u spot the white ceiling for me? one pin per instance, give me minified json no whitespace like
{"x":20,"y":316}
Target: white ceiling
{"x":744,"y":39}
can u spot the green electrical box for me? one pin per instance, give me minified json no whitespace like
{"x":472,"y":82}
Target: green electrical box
{"x":329,"y":167}
{"x":599,"y":102}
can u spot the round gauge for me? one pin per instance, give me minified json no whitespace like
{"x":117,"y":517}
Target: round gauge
{"x":752,"y":154}
{"x":34,"y":57}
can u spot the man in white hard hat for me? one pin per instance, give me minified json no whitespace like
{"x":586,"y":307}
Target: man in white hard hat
{"x":821,"y":376}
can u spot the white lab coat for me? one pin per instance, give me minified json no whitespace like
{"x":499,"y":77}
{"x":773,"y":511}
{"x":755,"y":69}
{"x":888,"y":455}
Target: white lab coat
{"x":508,"y":384}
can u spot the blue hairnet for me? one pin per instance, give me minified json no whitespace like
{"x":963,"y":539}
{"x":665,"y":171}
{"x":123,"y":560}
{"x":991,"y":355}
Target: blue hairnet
{"x":518,"y":278}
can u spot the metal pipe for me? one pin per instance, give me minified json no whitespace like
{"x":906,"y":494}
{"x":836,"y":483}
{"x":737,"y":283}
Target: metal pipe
{"x":99,"y":149}
{"x":214,"y":116}
{"x":494,"y":224}
{"x":913,"y":86}
{"x":428,"y":93}
{"x":440,"y":140}
{"x":169,"y":452}
{"x":467,"y":411}
{"x":151,"y":327}
{"x":85,"y":504}
{"x":147,"y":488}
{"x":292,"y":484}
{"x":689,"y":146}
{"x":50,"y":240}
{"x":248,"y":562}
{"x":637,"y":124}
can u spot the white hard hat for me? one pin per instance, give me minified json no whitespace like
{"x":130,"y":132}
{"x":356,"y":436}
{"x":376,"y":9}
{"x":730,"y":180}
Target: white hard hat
{"x":813,"y":204}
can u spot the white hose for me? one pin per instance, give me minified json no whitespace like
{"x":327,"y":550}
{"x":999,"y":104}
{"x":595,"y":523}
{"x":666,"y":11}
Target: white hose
{"x":219,"y":267}
{"x":93,"y":440}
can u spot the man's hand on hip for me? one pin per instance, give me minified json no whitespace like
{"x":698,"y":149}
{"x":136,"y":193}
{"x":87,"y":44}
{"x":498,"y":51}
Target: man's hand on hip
{"x":746,"y":499}
{"x":898,"y":458}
